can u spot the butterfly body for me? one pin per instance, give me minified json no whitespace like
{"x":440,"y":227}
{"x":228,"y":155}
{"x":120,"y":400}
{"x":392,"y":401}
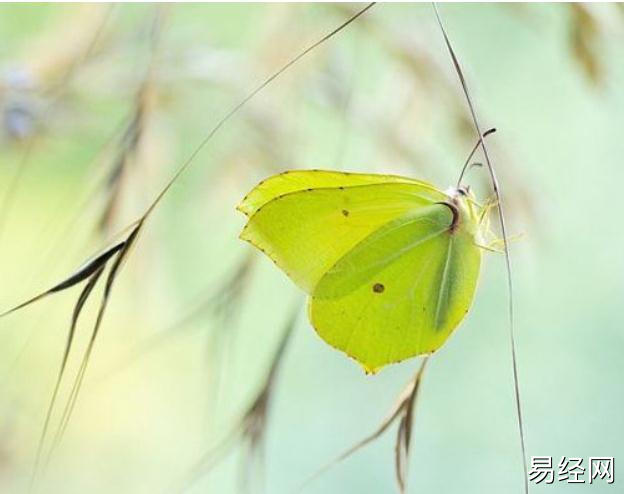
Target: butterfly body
{"x":390,"y":264}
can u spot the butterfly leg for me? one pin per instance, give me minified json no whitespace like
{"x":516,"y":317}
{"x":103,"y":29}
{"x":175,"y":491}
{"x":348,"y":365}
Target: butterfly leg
{"x":489,"y":247}
{"x":490,"y":204}
{"x":498,"y":244}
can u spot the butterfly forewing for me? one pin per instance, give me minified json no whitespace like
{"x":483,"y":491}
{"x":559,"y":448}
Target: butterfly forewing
{"x":298,"y":180}
{"x":306,"y":232}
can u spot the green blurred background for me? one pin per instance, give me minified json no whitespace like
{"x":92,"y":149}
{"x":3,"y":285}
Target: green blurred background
{"x":174,"y":368}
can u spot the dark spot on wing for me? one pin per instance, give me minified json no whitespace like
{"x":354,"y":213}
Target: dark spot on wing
{"x":345,"y":213}
{"x":378,"y":288}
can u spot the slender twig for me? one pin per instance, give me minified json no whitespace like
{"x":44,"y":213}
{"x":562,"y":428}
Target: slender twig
{"x":501,"y":218}
{"x":245,"y":100}
{"x":403,"y":410}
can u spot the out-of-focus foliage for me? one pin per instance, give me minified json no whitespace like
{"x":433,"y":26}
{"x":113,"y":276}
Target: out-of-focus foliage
{"x":99,"y":106}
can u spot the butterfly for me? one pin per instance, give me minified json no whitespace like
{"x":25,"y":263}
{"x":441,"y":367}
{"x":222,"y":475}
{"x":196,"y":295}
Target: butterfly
{"x":390,"y":264}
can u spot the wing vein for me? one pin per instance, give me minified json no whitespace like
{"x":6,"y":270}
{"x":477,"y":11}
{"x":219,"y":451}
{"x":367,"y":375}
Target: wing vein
{"x":443,"y":282}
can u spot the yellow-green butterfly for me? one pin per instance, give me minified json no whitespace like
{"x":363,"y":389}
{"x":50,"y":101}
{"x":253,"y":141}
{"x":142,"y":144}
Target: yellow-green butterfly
{"x":390,"y":264}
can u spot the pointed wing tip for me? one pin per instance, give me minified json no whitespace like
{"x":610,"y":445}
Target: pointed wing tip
{"x":373,"y":369}
{"x":245,"y":237}
{"x":242,"y":207}
{"x":369,"y":371}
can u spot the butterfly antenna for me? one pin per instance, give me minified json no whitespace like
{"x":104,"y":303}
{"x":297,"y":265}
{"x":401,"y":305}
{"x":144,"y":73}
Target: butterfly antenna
{"x":474,"y":150}
{"x":501,"y":218}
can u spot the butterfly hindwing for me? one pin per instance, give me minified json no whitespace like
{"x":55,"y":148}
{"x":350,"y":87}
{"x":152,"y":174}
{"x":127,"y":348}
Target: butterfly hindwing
{"x":400,"y":292}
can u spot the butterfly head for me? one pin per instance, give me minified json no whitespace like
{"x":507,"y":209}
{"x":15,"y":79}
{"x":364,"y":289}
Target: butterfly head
{"x":461,"y":191}
{"x":467,"y":206}
{"x":462,"y":197}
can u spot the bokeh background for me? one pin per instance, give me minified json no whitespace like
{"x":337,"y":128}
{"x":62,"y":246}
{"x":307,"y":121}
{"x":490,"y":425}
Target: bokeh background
{"x":99,"y":106}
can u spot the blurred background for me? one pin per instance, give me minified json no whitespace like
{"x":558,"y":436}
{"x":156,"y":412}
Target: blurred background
{"x":100,"y":104}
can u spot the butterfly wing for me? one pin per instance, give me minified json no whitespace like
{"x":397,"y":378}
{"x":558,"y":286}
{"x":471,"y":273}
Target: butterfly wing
{"x":399,"y":292}
{"x":299,"y":180}
{"x":307,"y":221}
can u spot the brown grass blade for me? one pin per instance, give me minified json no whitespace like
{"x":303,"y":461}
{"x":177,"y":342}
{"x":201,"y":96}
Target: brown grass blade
{"x":584,"y":39}
{"x":129,"y":142}
{"x":110,"y":280}
{"x":133,"y":133}
{"x":120,"y":255}
{"x":404,"y":434}
{"x":403,"y":409}
{"x":84,"y":295}
{"x":82,"y":273}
